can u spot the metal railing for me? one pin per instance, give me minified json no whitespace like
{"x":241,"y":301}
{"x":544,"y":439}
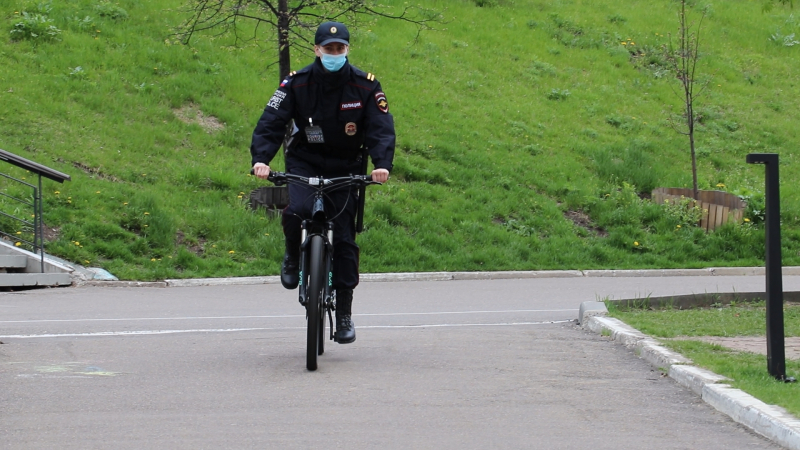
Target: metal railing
{"x":37,"y":225}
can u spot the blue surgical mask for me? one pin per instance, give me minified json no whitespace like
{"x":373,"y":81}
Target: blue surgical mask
{"x":333,"y":62}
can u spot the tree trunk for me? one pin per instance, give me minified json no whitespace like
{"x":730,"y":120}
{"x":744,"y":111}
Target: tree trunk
{"x":284,"y":60}
{"x":690,"y":123}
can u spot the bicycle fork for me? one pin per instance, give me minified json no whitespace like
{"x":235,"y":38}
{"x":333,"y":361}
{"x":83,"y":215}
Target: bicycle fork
{"x":329,"y":303}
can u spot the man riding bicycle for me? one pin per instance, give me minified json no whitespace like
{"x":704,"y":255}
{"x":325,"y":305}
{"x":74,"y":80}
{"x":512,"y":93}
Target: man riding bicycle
{"x":338,"y":112}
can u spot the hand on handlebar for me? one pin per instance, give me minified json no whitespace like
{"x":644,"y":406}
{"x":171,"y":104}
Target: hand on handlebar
{"x":261,"y":170}
{"x":380,"y":175}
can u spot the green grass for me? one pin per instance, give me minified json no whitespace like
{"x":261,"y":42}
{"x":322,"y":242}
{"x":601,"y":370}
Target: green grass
{"x":747,"y":371}
{"x":511,"y":118}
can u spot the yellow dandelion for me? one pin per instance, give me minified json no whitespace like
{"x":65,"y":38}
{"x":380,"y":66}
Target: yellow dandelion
{"x":636,"y":243}
{"x":126,"y":203}
{"x":678,"y":226}
{"x":146,"y":225}
{"x":19,"y":232}
{"x":146,"y":213}
{"x":231,"y":252}
{"x":97,"y":192}
{"x":720,"y":185}
{"x":86,"y":261}
{"x":624,"y":43}
{"x":153,"y":259}
{"x":239,"y":197}
{"x":266,"y":234}
{"x":77,"y":243}
{"x":214,"y":246}
{"x":56,"y":192}
{"x":18,"y":244}
{"x":746,"y":220}
{"x":633,"y":43}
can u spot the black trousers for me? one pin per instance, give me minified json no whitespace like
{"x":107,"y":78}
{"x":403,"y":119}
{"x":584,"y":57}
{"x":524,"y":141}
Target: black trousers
{"x":342,"y":204}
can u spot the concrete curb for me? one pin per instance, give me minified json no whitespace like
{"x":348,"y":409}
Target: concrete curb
{"x":459,"y":276}
{"x":770,"y":421}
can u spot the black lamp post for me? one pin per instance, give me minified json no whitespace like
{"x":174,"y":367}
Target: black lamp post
{"x":776,"y":349}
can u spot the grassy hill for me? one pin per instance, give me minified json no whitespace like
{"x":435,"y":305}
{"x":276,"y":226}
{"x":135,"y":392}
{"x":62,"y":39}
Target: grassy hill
{"x":528,"y":131}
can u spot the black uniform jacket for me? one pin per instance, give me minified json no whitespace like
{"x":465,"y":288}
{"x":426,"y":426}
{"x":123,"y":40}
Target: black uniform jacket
{"x":348,"y":105}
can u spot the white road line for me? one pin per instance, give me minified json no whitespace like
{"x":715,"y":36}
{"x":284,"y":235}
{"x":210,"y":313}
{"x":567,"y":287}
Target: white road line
{"x":231,"y":330}
{"x":288,"y":316}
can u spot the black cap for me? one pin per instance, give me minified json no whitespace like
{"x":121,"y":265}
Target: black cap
{"x":332,"y":32}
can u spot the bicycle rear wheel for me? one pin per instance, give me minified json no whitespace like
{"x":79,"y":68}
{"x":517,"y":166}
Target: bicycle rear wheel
{"x":315,"y":306}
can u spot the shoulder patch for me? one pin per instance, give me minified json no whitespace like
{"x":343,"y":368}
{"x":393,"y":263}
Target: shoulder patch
{"x":380,"y":100}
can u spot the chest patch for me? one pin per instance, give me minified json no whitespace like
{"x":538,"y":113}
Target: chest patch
{"x":351,"y":105}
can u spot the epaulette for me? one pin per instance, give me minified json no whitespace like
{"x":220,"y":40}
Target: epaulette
{"x":303,"y":70}
{"x":361,"y":73}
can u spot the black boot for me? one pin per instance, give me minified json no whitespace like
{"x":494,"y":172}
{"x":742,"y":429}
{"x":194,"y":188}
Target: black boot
{"x":345,"y":329}
{"x":290,"y":270}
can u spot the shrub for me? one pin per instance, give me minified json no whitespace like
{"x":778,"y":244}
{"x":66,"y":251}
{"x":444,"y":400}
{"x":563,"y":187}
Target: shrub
{"x":35,"y":27}
{"x":111,"y":11}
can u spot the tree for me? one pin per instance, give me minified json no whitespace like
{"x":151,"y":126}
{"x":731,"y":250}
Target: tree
{"x":292,"y":23}
{"x":682,"y":58}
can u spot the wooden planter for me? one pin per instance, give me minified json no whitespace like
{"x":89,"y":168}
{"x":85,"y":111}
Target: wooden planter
{"x":718,"y":207}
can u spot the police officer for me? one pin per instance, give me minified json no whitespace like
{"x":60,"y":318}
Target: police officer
{"x":338,"y":110}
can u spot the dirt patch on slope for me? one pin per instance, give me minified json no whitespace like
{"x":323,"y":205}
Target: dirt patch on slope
{"x":191,"y":114}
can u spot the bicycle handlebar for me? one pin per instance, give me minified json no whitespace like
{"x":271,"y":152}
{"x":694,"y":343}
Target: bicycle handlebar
{"x":281,"y":178}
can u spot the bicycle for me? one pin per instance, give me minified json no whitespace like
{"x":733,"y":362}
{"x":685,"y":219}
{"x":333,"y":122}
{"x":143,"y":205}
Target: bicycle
{"x":316,"y":255}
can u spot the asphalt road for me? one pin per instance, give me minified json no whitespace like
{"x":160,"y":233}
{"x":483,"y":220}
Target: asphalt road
{"x":445,"y":364}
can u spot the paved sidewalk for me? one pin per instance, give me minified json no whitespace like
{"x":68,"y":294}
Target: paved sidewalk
{"x":751,"y":344}
{"x":492,"y":363}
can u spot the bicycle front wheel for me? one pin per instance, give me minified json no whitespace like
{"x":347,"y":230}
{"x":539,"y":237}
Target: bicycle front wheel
{"x":316,"y":298}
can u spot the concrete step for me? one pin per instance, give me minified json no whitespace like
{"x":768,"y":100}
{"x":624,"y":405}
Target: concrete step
{"x":13,"y":261}
{"x":34,"y":279}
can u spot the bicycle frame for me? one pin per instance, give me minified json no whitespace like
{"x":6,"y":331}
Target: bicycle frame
{"x":319,"y":224}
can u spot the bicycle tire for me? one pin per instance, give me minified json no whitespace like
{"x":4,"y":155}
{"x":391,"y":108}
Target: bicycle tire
{"x":316,"y":288}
